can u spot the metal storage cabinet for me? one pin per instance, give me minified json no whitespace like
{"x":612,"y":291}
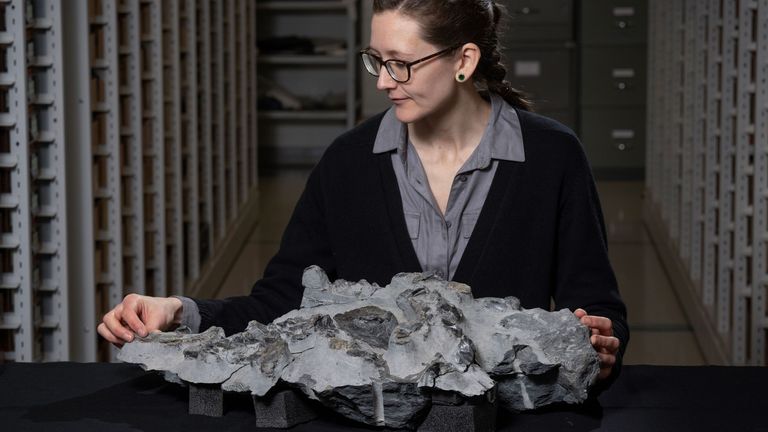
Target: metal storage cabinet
{"x":545,"y":73}
{"x":613,"y":86}
{"x":539,"y":20}
{"x":614,"y":22}
{"x":539,"y":53}
{"x":613,"y":76}
{"x":614,"y":139}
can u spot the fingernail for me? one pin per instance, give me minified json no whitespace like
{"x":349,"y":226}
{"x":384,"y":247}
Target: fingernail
{"x":128,"y":336}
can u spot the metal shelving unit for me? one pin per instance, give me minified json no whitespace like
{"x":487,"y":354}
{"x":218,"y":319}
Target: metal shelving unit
{"x":46,"y":151}
{"x":229,"y":34}
{"x":105,"y":146}
{"x":153,"y":120}
{"x":302,"y":60}
{"x":189,"y":137}
{"x":251,"y":52}
{"x":218,"y":126}
{"x":709,"y":69}
{"x":759,"y":278}
{"x":329,"y":5}
{"x":174,"y":241}
{"x":299,"y":137}
{"x":204,"y":131}
{"x":16,"y":284}
{"x":136,"y":91}
{"x":242,"y":77}
{"x":129,"y":79}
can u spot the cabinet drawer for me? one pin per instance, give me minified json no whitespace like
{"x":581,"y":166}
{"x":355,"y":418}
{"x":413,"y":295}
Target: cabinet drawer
{"x":613,"y":76}
{"x":539,"y":20}
{"x":613,"y":22}
{"x":545,"y":74}
{"x":614,"y":138}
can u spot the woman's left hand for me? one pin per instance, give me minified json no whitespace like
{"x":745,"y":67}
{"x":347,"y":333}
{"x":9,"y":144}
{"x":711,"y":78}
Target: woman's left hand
{"x":603,"y":340}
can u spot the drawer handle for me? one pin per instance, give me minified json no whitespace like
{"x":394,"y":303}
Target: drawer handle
{"x":622,"y":146}
{"x":622,"y":86}
{"x":622,"y":24}
{"x":527,"y":11}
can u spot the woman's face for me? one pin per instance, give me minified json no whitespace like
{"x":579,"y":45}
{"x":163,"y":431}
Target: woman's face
{"x":432,"y":84}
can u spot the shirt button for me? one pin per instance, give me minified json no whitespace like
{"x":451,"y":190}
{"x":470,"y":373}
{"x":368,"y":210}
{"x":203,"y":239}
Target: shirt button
{"x":463,"y":178}
{"x":448,"y":224}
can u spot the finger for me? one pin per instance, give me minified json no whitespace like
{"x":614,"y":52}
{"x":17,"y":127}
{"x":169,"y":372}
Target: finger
{"x":114,"y":324}
{"x":607,"y":360}
{"x":131,"y":318}
{"x":609,"y":344}
{"x":603,"y":324}
{"x":106,"y":334}
{"x":580,"y":313}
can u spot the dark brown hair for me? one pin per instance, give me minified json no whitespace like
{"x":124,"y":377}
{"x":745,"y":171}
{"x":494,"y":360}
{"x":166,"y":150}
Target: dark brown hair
{"x":446,"y":23}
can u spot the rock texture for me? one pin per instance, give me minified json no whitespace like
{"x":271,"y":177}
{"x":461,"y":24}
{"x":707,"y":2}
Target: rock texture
{"x":378,"y":354}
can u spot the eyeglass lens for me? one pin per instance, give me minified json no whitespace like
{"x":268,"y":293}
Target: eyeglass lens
{"x":397,"y":70}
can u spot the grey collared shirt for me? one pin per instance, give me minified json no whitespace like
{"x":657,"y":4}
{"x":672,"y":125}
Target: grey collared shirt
{"x":440,"y":240}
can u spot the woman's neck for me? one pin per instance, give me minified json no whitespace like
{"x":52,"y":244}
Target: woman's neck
{"x":457,"y":129}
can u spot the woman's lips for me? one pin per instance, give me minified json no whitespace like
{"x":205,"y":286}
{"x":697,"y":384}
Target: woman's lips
{"x":398,"y":100}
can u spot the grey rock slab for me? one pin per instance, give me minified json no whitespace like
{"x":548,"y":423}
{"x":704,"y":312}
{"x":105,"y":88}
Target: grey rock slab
{"x":166,"y":351}
{"x":263,"y":363}
{"x":378,"y":354}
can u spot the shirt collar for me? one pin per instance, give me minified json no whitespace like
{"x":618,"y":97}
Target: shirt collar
{"x":502,"y":139}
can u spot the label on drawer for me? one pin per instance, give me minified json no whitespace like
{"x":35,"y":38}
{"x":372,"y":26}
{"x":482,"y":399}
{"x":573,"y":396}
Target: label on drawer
{"x":527,"y":68}
{"x":622,"y":134}
{"x":624,"y":11}
{"x":623,"y":73}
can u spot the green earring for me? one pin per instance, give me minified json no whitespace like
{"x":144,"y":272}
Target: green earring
{"x":460,"y":77}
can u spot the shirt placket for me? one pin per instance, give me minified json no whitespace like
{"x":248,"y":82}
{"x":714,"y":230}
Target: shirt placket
{"x":456,"y":203}
{"x":438,"y":256}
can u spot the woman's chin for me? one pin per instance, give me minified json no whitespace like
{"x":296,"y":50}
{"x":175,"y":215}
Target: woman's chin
{"x":406,"y":114}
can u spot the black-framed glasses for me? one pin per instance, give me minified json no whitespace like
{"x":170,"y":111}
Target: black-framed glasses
{"x":399,"y":70}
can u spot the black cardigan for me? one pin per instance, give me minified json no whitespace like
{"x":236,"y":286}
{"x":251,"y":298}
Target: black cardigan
{"x":540,"y":234}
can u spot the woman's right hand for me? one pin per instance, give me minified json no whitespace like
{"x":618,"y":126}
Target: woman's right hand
{"x":138,"y":314}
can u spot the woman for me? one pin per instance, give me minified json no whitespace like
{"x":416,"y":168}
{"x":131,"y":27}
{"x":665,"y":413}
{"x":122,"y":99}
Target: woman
{"x":457,"y":178}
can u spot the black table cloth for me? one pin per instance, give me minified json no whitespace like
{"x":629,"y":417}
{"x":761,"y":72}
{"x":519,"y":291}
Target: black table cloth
{"x":122,"y":397}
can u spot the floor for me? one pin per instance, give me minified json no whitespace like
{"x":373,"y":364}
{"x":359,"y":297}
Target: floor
{"x":660,"y":332}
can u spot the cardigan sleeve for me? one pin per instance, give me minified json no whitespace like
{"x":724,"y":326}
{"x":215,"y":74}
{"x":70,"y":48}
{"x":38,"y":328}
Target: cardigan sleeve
{"x":305,"y":242}
{"x":585,"y":278}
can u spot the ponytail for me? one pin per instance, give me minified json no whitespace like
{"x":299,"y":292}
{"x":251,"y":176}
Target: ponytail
{"x":493,"y":72}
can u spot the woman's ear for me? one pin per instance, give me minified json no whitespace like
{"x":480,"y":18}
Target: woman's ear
{"x":469,"y":58}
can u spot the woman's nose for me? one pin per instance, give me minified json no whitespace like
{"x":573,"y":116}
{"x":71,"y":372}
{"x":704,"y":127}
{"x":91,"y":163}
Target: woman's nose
{"x":385,"y":81}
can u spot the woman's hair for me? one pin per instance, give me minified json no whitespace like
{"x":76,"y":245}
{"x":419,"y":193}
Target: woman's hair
{"x":446,"y":23}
